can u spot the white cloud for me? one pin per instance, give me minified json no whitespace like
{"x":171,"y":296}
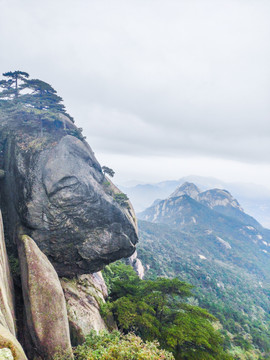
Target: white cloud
{"x":150,"y":78}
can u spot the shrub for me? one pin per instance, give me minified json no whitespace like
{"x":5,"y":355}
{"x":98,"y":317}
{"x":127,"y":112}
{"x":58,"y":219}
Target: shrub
{"x":121,"y":199}
{"x":116,"y":346}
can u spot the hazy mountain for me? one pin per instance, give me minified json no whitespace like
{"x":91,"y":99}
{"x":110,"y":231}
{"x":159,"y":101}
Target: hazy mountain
{"x":186,"y":189}
{"x":231,"y":276}
{"x":255,"y":199}
{"x":210,"y":211}
{"x":205,"y":238}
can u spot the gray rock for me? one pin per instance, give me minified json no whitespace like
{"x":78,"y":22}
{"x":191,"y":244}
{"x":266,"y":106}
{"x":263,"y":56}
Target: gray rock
{"x":55,"y":190}
{"x":186,"y":189}
{"x":137,"y":265}
{"x":84,"y":295}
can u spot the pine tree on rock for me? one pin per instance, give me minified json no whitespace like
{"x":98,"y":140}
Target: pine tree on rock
{"x":107,"y":170}
{"x":11,"y":86}
{"x":43,"y":96}
{"x":33,"y":100}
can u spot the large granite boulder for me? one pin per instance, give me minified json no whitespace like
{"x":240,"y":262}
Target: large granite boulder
{"x":7,"y":312}
{"x":84,"y":296}
{"x":44,"y":301}
{"x":54,"y":191}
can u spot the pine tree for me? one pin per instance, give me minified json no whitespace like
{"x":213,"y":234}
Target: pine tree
{"x":43,"y":96}
{"x":156,"y":309}
{"x":12,"y":86}
{"x":107,"y":170}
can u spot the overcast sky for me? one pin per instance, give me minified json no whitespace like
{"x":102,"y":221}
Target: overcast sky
{"x":162,"y":89}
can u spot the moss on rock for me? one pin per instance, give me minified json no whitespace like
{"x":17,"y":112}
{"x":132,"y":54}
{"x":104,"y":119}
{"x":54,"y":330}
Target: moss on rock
{"x":8,"y":341}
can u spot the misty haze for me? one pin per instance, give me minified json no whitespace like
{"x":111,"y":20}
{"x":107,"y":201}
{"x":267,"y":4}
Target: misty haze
{"x":134,"y":180}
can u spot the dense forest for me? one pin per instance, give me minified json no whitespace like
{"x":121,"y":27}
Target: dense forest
{"x":233,"y":295}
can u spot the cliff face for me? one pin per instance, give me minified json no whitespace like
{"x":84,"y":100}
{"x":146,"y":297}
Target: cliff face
{"x":54,"y":191}
{"x":60,"y":213}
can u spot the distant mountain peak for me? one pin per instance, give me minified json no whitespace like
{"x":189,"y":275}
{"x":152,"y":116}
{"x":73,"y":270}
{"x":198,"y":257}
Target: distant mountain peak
{"x":187,"y":188}
{"x":188,"y":206}
{"x":218,"y":197}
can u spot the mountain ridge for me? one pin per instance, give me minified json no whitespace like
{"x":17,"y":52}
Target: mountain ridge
{"x":216,"y":200}
{"x":255,"y":199}
{"x":225,"y":253}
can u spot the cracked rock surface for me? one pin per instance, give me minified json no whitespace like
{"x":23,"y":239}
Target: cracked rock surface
{"x":54,"y":191}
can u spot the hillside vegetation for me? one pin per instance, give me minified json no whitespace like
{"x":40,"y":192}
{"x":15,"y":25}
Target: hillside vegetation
{"x":223,"y":252}
{"x":159,"y":310}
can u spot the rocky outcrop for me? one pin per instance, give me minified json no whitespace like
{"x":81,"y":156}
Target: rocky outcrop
{"x":64,"y":219}
{"x":137,"y":265}
{"x":55,"y":191}
{"x":44,"y":301}
{"x":7,"y":312}
{"x":9,"y":342}
{"x":187,"y":188}
{"x":84,"y":295}
{"x":216,"y":198}
{"x":224,"y":203}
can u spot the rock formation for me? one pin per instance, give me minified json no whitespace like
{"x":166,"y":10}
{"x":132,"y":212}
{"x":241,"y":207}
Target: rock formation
{"x":8,"y":340}
{"x":54,"y":189}
{"x":137,"y":265}
{"x":187,"y":188}
{"x":84,"y":295}
{"x":44,"y":301}
{"x":7,"y":311}
{"x":62,"y":218}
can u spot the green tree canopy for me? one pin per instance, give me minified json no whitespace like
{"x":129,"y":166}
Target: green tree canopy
{"x":122,"y":199}
{"x":158,"y":310}
{"x":108,"y":171}
{"x":21,"y":94}
{"x":43,"y":96}
{"x":12,"y":85}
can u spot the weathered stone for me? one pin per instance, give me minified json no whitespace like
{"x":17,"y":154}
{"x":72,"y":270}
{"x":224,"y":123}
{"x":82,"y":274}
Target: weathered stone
{"x":84,"y":296}
{"x":8,"y":341}
{"x":137,"y":265}
{"x":44,"y":301}
{"x":54,"y":189}
{"x":7,"y":313}
{"x":55,"y":192}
